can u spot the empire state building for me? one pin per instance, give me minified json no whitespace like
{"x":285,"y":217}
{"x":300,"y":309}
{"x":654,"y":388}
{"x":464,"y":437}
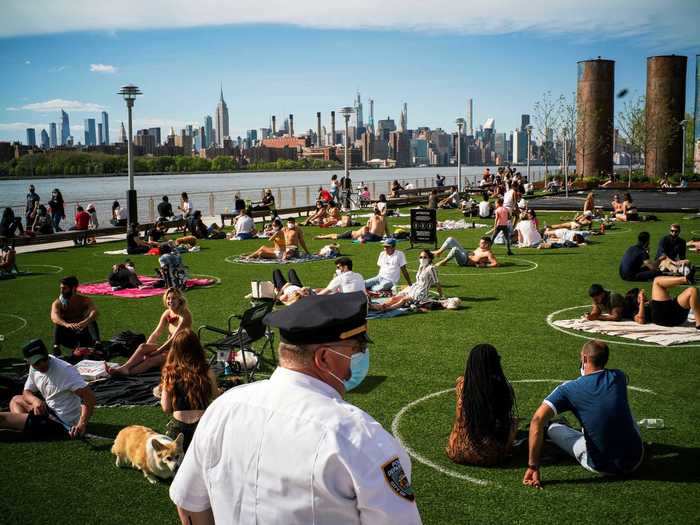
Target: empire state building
{"x":221,"y":120}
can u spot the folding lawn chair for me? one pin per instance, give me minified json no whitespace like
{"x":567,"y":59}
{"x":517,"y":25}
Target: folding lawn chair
{"x":238,"y":342}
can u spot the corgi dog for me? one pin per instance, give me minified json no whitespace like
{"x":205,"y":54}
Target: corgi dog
{"x":156,"y":455}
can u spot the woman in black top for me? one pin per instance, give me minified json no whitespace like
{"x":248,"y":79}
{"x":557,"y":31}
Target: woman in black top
{"x":42,"y":222}
{"x":134,"y":244}
{"x":58,"y":209}
{"x":187,"y":385}
{"x":9,"y":224}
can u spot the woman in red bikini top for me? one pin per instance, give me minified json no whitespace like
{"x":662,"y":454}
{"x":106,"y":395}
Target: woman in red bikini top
{"x":152,"y":354}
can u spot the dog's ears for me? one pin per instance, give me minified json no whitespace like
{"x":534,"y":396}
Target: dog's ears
{"x":157,"y":445}
{"x":179,"y":440}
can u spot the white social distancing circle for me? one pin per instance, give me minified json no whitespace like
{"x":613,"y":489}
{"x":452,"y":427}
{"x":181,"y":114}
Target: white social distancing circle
{"x":396,"y":422}
{"x":489,"y":272}
{"x":550,"y":322}
{"x":18,"y":318}
{"x":52,"y":267}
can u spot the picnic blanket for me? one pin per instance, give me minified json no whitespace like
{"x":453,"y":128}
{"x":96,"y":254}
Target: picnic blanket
{"x":295,"y":260}
{"x":126,"y":390}
{"x":104,"y":288}
{"x":388,"y":314}
{"x":648,"y":333}
{"x":450,"y":224}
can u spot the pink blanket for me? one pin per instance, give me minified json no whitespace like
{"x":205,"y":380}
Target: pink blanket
{"x":136,"y":293}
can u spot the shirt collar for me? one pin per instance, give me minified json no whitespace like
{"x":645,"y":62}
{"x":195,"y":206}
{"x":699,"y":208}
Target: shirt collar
{"x":287,"y":376}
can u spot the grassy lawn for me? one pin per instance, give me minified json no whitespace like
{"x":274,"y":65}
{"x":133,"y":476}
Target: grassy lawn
{"x":413,"y":356}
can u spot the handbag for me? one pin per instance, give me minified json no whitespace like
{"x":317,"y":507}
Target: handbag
{"x":262,"y":289}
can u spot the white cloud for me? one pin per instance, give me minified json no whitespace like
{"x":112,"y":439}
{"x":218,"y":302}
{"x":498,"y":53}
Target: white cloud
{"x":58,"y":104}
{"x":27,"y":62}
{"x":102,"y":68}
{"x":57,"y":69}
{"x":661,"y":24}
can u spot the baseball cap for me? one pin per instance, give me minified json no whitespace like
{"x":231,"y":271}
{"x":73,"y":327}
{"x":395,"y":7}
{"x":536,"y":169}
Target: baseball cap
{"x":389,"y":242}
{"x":34,"y":351}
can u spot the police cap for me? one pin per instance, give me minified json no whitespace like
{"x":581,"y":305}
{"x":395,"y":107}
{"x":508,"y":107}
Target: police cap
{"x":322,"y":318}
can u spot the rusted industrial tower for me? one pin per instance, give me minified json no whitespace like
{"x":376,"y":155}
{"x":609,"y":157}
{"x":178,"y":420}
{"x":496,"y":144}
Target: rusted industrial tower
{"x":665,"y":110}
{"x":594,"y":120}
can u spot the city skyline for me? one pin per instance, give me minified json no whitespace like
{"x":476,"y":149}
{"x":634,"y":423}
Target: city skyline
{"x":503,"y":73}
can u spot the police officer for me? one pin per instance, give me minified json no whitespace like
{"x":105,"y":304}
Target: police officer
{"x":289,"y":450}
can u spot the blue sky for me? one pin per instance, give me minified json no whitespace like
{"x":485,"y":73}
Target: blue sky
{"x":317,"y":64}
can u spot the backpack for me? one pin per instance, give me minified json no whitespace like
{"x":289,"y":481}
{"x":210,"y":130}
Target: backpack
{"x":124,"y":343}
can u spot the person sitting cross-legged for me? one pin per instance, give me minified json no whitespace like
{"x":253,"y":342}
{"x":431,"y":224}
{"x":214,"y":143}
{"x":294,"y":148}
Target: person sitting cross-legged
{"x":636,"y":265}
{"x":152,"y":354}
{"x":417,"y":293}
{"x":485,"y":425}
{"x":392,"y":263}
{"x":671,"y":253}
{"x":665,"y":310}
{"x":345,"y":280}
{"x":610,"y":442}
{"x":245,"y":227}
{"x":74,"y":318}
{"x":66,"y":401}
{"x":481,"y":257}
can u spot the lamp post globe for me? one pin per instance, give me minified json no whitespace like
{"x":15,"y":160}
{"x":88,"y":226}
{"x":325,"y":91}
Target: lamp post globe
{"x":130,"y":92}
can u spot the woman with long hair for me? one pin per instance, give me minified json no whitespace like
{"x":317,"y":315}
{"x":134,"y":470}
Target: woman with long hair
{"x":629,"y":210}
{"x":418,"y":293}
{"x":485,"y":422}
{"x":152,"y":354}
{"x":187,"y":385}
{"x":58,"y":208}
{"x":9,"y":224}
{"x":185,"y":205}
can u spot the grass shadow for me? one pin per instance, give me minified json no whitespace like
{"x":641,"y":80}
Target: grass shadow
{"x":369,"y":384}
{"x":477,"y":299}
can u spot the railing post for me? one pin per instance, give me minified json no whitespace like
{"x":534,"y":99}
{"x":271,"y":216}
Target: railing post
{"x":308,"y":196}
{"x":294,"y":197}
{"x":211,"y":205}
{"x":151,"y":210}
{"x":278,"y":202}
{"x":374,"y":191}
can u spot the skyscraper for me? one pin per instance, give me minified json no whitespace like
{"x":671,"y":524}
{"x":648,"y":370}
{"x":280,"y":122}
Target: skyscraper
{"x":122,"y":135}
{"x":99,"y":134}
{"x":105,"y":128}
{"x":65,"y":128}
{"x":208,"y":131}
{"x":31,"y":137}
{"x":52,"y":135}
{"x":524,"y":121}
{"x":403,"y":121}
{"x":359,"y":122}
{"x":470,"y":117}
{"x":221,"y":120}
{"x":156,"y":133}
{"x":44,"y":139}
{"x":371,"y":115}
{"x":90,"y":132}
{"x":519,"y":146}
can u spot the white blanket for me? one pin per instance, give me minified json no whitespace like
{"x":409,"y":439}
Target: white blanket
{"x":449,"y":224}
{"x":648,"y":333}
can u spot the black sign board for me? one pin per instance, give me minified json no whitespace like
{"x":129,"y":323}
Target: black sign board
{"x":423,"y":226}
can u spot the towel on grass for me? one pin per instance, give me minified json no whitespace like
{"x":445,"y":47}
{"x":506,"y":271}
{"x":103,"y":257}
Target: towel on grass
{"x":449,"y":224}
{"x":388,"y":314}
{"x":105,"y":288}
{"x":126,"y":390}
{"x":116,"y":252}
{"x":295,"y":260}
{"x":648,"y":333}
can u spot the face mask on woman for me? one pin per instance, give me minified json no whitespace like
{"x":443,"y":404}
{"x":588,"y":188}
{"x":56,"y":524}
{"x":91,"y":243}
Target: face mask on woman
{"x":424,"y":262}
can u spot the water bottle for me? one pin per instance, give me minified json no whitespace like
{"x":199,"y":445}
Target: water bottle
{"x":227,"y":369}
{"x":651,"y":423}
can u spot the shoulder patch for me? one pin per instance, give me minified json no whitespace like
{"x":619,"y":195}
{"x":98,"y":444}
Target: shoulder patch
{"x":397,"y":479}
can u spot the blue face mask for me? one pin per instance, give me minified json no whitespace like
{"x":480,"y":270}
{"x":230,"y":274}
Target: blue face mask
{"x":359,"y":367}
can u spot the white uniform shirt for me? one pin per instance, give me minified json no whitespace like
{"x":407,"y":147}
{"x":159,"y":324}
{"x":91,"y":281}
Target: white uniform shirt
{"x":347,"y":282}
{"x":290,"y":451}
{"x":484,"y":209}
{"x":244,"y":224}
{"x":390,"y":265}
{"x":57,"y":386}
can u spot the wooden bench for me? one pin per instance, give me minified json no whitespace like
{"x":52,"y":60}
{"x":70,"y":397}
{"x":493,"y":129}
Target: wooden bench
{"x":79,"y":236}
{"x":256,"y":214}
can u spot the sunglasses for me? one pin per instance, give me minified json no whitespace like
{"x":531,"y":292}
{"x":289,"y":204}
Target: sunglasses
{"x":675,"y":231}
{"x":424,"y":257}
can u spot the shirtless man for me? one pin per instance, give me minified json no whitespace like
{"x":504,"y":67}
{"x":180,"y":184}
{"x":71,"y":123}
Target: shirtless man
{"x":293,"y":237}
{"x":332,"y":216}
{"x":317,"y":216}
{"x":481,"y":257}
{"x":73,"y":317}
{"x":374,"y":231}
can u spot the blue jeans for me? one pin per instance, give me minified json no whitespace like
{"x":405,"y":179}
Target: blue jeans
{"x":56,"y":218}
{"x":244,"y":236}
{"x":378,"y":284}
{"x":456,"y":252}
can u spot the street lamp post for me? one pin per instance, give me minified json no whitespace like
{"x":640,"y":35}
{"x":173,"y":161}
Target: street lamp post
{"x":460,"y":124}
{"x":346,"y":112}
{"x":566,"y":165}
{"x":529,"y":143}
{"x":130,"y":92}
{"x":682,"y":124}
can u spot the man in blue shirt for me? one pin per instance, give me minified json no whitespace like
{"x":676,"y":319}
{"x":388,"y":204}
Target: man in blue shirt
{"x":635,"y":264}
{"x":610,"y":442}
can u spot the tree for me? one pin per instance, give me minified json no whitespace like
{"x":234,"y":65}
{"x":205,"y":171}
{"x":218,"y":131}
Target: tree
{"x":632,"y":124}
{"x":546,"y":117}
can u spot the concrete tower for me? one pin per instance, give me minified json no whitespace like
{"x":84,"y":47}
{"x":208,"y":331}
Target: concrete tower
{"x":594,"y":121}
{"x":319,"y":139}
{"x":470,"y":118}
{"x":665,"y":109}
{"x":221,"y":120}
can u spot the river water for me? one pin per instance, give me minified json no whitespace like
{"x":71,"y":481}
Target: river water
{"x":213,"y":192}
